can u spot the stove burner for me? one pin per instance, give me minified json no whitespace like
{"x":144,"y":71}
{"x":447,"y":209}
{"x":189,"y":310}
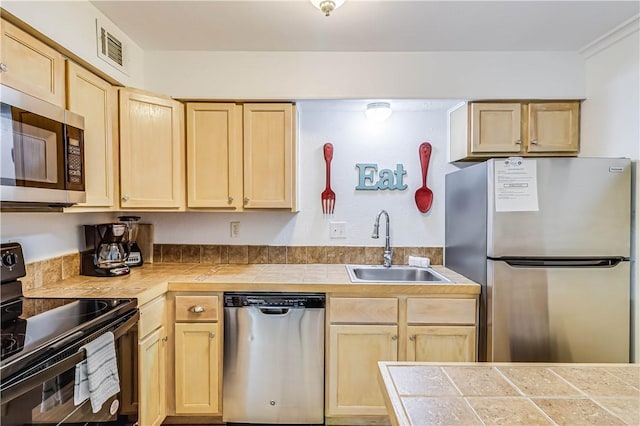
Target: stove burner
{"x":16,"y":307}
{"x":11,"y":343}
{"x":8,"y":342}
{"x":37,"y":306}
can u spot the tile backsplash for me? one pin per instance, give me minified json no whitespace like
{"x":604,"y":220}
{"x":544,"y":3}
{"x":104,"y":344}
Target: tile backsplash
{"x":50,"y":271}
{"x":245,"y":254}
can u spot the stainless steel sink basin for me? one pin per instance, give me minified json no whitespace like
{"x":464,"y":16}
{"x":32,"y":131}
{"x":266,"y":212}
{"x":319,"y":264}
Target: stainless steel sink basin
{"x":394,"y":274}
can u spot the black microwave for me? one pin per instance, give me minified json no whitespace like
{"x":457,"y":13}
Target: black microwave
{"x":41,"y":154}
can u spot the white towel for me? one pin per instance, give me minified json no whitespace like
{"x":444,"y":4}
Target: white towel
{"x":97,"y":375}
{"x":419,"y":261}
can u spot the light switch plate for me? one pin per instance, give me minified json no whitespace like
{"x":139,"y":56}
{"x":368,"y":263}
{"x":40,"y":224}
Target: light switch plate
{"x":235,"y":229}
{"x":337,"y":230}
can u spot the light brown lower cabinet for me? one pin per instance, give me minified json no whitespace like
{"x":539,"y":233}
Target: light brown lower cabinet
{"x":196,"y":359}
{"x":151,"y":376}
{"x":152,"y":360}
{"x":197,"y":369}
{"x":354,"y":352}
{"x":441,"y":343}
{"x":363,"y":331}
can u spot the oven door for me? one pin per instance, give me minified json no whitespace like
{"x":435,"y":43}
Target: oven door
{"x":46,"y":397}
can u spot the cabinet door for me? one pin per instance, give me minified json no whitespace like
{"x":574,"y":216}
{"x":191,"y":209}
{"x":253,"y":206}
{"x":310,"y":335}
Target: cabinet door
{"x":554,"y":127}
{"x":151,"y":376}
{"x":151,"y":151}
{"x":96,"y":100}
{"x":268,"y":156}
{"x":214,"y":155}
{"x":31,"y":66}
{"x":495,"y":128}
{"x":441,"y":343}
{"x":197,"y":366}
{"x":354,"y":351}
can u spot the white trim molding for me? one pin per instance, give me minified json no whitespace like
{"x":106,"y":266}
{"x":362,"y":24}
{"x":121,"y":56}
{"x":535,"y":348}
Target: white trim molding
{"x":623,"y":30}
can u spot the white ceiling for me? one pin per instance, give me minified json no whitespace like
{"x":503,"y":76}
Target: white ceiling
{"x":367,"y":25}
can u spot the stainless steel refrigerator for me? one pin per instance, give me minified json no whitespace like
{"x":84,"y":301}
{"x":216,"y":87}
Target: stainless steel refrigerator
{"x":549,"y":241}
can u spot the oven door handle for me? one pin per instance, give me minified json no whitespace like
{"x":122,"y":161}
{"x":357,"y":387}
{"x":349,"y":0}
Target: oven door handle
{"x":124,"y":328}
{"x":60,"y":367}
{"x":48,"y":373}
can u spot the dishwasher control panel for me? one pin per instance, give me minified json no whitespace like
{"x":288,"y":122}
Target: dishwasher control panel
{"x":292,"y":300}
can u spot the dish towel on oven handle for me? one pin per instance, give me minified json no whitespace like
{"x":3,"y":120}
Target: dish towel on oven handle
{"x":97,"y":375}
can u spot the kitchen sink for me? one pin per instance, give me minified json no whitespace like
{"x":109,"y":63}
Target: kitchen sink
{"x":393,"y":274}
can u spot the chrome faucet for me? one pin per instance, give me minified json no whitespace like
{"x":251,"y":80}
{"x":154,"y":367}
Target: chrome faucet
{"x":388,"y":252}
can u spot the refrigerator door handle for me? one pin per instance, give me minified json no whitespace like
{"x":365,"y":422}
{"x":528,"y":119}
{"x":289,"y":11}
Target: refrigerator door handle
{"x":564,"y":263}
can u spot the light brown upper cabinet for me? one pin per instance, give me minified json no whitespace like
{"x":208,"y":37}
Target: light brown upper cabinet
{"x":97,"y":101}
{"x":30,"y":66}
{"x":241,"y":156}
{"x":553,"y":127}
{"x":151,"y":151}
{"x":269,"y":152}
{"x":214,"y":155}
{"x":481,"y":130}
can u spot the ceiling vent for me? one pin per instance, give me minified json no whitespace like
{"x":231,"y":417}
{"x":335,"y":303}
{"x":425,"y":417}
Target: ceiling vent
{"x":110,"y":47}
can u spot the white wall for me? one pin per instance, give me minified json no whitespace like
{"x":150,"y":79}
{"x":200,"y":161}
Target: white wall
{"x":361,"y":75}
{"x":611,"y":126}
{"x":47,"y":235}
{"x":355,"y":140}
{"x":72,"y":24}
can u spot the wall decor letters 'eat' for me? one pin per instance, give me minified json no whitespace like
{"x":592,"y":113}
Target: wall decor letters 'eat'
{"x":370,"y":179}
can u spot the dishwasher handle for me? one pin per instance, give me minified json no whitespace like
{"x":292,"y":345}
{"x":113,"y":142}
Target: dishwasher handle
{"x":271,"y":310}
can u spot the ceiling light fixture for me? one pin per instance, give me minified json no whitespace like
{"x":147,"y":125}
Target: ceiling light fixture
{"x":327,"y":6}
{"x":378,"y":111}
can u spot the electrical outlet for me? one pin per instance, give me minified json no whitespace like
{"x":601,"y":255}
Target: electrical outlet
{"x":337,"y":229}
{"x":235,"y":229}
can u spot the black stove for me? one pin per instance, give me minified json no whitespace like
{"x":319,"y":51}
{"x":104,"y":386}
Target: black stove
{"x":45,"y":326}
{"x":41,"y":338}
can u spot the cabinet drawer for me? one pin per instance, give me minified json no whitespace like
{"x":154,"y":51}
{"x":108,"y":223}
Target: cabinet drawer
{"x":187,"y":307}
{"x":151,"y":317}
{"x":441,"y":311}
{"x":363,"y":310}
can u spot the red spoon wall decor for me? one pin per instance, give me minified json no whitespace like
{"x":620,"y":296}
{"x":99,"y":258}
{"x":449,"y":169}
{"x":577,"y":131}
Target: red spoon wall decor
{"x":424,"y":196}
{"x":328,"y":197}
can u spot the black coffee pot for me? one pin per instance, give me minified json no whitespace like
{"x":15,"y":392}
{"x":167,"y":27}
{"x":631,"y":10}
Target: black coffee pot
{"x":106,"y":250}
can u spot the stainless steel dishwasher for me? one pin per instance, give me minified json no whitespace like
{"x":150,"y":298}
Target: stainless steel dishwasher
{"x":273,"y":358}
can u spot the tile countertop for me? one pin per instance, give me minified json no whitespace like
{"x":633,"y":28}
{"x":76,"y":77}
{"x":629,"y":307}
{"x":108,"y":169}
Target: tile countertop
{"x":511,"y":393}
{"x":150,"y":281}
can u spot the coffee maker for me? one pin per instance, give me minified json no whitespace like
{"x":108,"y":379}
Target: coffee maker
{"x":135,"y":254}
{"x":106,"y":252}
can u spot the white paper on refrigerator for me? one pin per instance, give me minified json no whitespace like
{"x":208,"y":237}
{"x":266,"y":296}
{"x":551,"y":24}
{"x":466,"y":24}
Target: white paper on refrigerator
{"x":516,"y":185}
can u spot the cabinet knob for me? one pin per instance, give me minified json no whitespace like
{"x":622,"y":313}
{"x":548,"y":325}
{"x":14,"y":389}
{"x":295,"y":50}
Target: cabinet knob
{"x":212,"y":335}
{"x":394,"y":337}
{"x":197,"y":309}
{"x":231,"y":199}
{"x":519,"y":142}
{"x":3,"y":67}
{"x":125,"y":197}
{"x":165,"y":338}
{"x":534,"y":142}
{"x":412,"y":338}
{"x":246,"y":199}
